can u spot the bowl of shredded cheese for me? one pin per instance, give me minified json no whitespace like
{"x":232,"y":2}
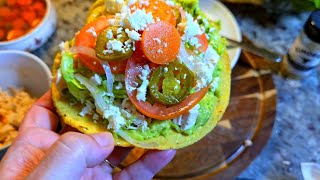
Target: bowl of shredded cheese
{"x":23,"y":78}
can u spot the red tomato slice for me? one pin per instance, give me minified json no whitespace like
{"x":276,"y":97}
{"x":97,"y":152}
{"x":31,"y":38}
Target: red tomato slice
{"x":156,"y":111}
{"x":85,"y":38}
{"x":202,"y":39}
{"x":93,"y":62}
{"x":85,"y":43}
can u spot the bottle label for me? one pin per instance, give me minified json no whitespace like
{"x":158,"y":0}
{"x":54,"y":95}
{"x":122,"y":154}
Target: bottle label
{"x":304,"y":52}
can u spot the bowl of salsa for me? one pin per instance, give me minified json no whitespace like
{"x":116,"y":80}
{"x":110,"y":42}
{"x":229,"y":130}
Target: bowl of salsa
{"x":26,"y":24}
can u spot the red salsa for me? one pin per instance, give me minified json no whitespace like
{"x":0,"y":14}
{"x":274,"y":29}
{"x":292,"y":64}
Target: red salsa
{"x":18,"y":17}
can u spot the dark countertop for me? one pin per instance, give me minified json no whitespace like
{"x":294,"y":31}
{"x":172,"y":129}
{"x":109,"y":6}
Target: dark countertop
{"x":296,"y":133}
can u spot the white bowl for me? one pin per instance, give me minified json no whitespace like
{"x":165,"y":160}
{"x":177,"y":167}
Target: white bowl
{"x":38,"y":36}
{"x":24,"y":70}
{"x":216,"y":11}
{"x":21,"y":69}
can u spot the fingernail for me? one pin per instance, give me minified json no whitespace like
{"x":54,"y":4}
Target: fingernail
{"x":104,"y":139}
{"x":170,"y":153}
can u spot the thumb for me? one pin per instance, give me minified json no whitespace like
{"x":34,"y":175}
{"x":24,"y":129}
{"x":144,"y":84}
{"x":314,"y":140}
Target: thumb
{"x":72,"y":153}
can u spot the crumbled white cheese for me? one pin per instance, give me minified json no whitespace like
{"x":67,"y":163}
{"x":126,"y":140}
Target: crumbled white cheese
{"x":142,"y":90}
{"x":134,"y":35}
{"x":204,"y":71}
{"x":212,"y":30}
{"x":92,"y":31}
{"x":131,"y":88}
{"x":119,"y":86}
{"x":113,"y":114}
{"x":96,"y":79}
{"x":188,"y":120}
{"x":165,"y":44}
{"x":165,"y":69}
{"x":114,"y":45}
{"x":157,"y":40}
{"x":214,"y":84}
{"x":119,"y":30}
{"x":106,"y":51}
{"x":139,"y":20}
{"x":194,"y":41}
{"x":144,"y":2}
{"x":87,"y":109}
{"x":109,"y":34}
{"x":170,"y":2}
{"x":211,"y":55}
{"x":191,"y":29}
{"x":203,"y":65}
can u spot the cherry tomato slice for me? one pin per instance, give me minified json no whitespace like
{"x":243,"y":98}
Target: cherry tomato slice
{"x":160,"y":10}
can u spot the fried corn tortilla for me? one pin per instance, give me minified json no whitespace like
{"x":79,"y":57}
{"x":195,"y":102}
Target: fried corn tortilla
{"x":160,"y":134}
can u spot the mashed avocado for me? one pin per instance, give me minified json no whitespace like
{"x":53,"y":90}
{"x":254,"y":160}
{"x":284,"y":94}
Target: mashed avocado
{"x":161,"y":128}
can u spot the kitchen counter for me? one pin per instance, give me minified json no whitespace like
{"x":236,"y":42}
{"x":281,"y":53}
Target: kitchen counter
{"x":296,"y":133}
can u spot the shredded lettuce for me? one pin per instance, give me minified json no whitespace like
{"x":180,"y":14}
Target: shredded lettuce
{"x":67,"y":71}
{"x":98,"y":94}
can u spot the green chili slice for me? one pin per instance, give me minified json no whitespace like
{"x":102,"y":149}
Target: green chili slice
{"x":171,"y":84}
{"x":108,"y":39}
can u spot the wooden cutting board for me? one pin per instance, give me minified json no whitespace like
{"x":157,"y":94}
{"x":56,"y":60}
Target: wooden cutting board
{"x":239,"y":136}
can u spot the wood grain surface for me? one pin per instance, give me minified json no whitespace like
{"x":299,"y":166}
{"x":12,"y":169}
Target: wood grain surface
{"x":239,"y":136}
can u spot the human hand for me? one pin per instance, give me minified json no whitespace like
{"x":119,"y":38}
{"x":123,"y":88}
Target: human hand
{"x":40,"y":153}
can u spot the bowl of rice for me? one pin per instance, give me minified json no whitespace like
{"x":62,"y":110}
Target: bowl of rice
{"x":23,"y":78}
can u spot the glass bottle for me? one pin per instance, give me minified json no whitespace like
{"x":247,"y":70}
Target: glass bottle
{"x":304,"y":55}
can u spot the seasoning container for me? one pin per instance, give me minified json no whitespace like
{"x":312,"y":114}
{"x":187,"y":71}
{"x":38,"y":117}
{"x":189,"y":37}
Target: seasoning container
{"x":304,"y":55}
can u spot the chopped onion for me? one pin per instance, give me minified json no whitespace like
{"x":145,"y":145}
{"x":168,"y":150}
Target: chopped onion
{"x":109,"y":76}
{"x":126,"y":137}
{"x":92,"y":54}
{"x":100,"y":103}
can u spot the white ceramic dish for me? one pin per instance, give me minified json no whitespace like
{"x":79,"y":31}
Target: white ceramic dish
{"x":215,"y":10}
{"x":21,"y":69}
{"x":24,"y":70}
{"x":38,"y":36}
